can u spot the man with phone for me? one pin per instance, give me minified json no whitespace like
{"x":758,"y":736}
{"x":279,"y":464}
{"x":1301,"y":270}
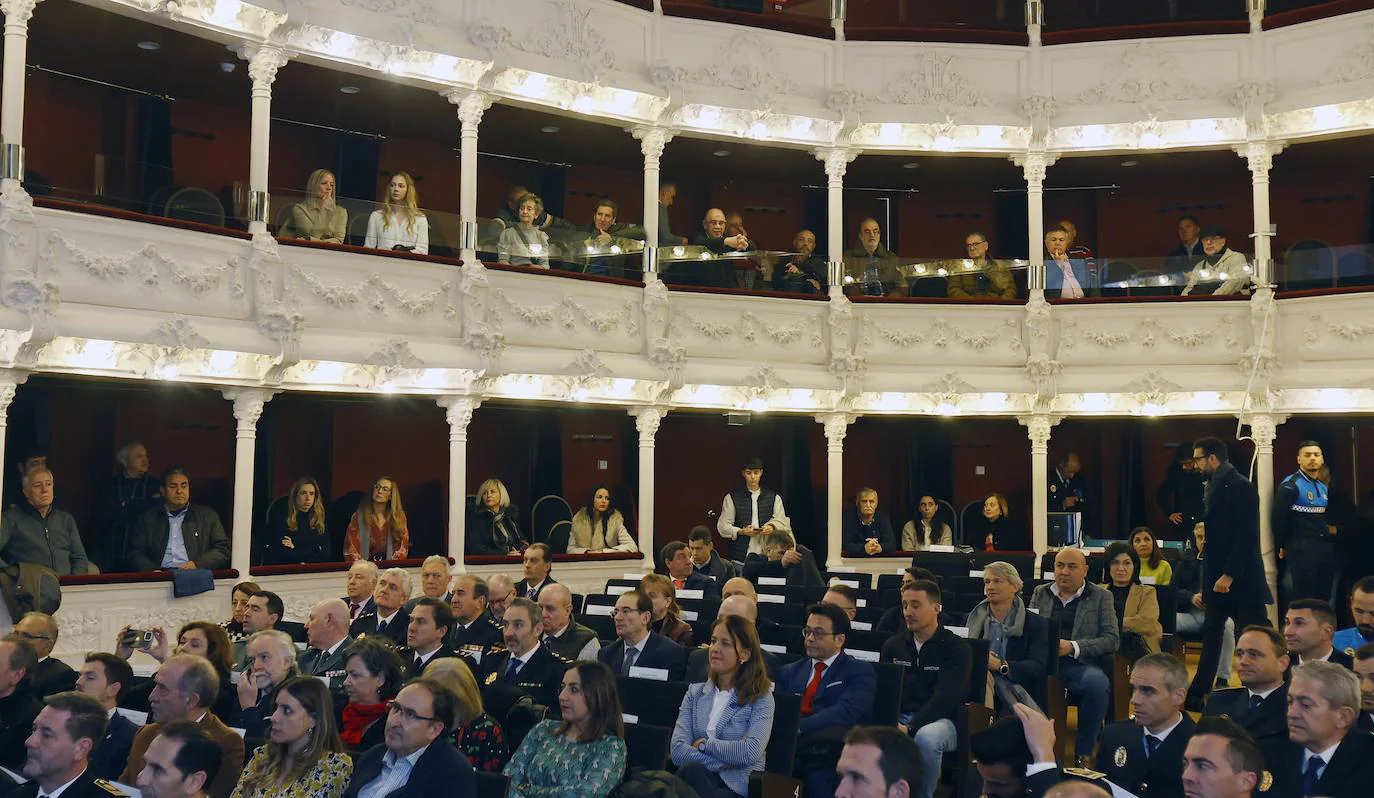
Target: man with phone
{"x":750,"y":512}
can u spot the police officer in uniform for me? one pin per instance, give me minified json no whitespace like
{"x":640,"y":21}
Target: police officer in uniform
{"x":65,"y":732}
{"x":1305,"y":537}
{"x":1145,"y":755}
{"x":475,"y":633}
{"x":523,"y":667}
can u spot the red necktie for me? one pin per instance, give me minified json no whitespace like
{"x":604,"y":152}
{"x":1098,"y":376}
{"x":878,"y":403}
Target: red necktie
{"x":678,"y":583}
{"x":811,"y":688}
{"x":353,"y":610}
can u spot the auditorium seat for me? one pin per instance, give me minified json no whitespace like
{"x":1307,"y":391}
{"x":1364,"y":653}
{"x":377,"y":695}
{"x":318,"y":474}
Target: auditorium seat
{"x":546,"y":512}
{"x":887,"y":701}
{"x":652,"y":702}
{"x":494,"y":785}
{"x":782,"y":744}
{"x":647,"y":746}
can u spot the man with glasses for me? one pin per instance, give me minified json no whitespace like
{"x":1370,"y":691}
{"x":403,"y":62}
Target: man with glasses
{"x":500,"y":591}
{"x":409,"y":762}
{"x":980,"y":276}
{"x":50,"y":675}
{"x":638,"y":646}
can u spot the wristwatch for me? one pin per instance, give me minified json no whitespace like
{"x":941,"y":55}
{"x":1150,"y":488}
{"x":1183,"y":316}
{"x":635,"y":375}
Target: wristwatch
{"x":1005,"y":669}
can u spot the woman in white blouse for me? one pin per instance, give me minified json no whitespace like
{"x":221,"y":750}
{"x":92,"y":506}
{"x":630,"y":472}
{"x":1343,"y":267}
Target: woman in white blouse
{"x":399,"y":224}
{"x":524,"y":244}
{"x":926,"y":530}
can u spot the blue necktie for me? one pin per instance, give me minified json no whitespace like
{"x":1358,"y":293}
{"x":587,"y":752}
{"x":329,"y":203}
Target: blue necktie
{"x":1311,"y":774}
{"x":1151,"y":745}
{"x":512,"y":669}
{"x":1255,"y":701}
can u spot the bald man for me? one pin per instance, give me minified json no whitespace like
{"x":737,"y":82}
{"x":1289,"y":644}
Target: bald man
{"x":740,"y":606}
{"x":713,"y":238}
{"x":1077,"y":789}
{"x":326,"y":631}
{"x":739,"y":586}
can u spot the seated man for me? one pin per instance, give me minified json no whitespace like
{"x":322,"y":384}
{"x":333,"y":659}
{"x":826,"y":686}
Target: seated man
{"x":749,"y":512}
{"x":103,"y":677}
{"x":271,"y":661}
{"x":677,"y":559}
{"x":877,"y":760}
{"x":1219,"y":264}
{"x":263,"y":612}
{"x":844,"y":597}
{"x":177,"y":533}
{"x":936,"y":678}
{"x":430,"y":624}
{"x":783,"y":558}
{"x":474,"y":631}
{"x":1066,"y":277}
{"x":1308,"y":629}
{"x":422,"y":714}
{"x":362,"y":582}
{"x":867,"y":530}
{"x":1364,"y":668}
{"x":537,"y":562}
{"x":1336,"y":759}
{"x":49,"y":675}
{"x":1260,"y":706}
{"x":434,"y":580}
{"x":18,"y":704}
{"x":1088,"y":638}
{"x":1000,"y":758}
{"x":988,"y":279}
{"x":123,"y":499}
{"x":65,"y":735}
{"x":389,"y":619}
{"x":804,"y":272}
{"x":606,"y":242}
{"x":637,"y":646}
{"x":1221,"y":761}
{"x":182,"y":761}
{"x":500,"y":591}
{"x":1362,"y":611}
{"x":712,"y":238}
{"x":1159,"y":686}
{"x":561,"y":631}
{"x":869,"y":268}
{"x":1189,"y":249}
{"x":705,"y":560}
{"x":526,"y":667}
{"x":327,"y":638}
{"x":35,"y":531}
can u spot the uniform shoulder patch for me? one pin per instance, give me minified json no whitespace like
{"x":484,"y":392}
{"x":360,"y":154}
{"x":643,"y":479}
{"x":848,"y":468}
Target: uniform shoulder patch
{"x":109,"y":788}
{"x":1084,"y":773}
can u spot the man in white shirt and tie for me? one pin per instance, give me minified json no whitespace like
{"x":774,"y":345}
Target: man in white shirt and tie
{"x":750,"y":512}
{"x":1335,"y":759}
{"x":1260,"y":706}
{"x":58,"y":752}
{"x":1145,"y":755}
{"x":362,"y":581}
{"x":537,"y":563}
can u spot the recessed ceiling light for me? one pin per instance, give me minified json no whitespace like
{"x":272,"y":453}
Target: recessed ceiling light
{"x":149,"y":45}
{"x":721,"y":153}
{"x":911,"y":165}
{"x":549,"y":129}
{"x":349,"y":89}
{"x":1130,"y":163}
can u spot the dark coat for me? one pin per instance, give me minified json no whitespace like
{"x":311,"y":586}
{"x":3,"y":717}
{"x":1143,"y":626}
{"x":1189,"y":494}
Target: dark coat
{"x":658,"y":652}
{"x":481,"y":532}
{"x":1268,"y":724}
{"x":309,"y":546}
{"x":206,"y":544}
{"x":523,"y":585}
{"x":16,"y":723}
{"x":52,"y":676}
{"x":408,"y":660}
{"x":440,"y":771}
{"x":479,"y":637}
{"x":1158,"y":776}
{"x":1232,"y":519}
{"x":844,"y":697}
{"x":718,"y":568}
{"x":804,"y":573}
{"x":109,"y":758}
{"x":936,"y":678}
{"x":395,"y":629}
{"x":1347,"y":775}
{"x":85,"y":786}
{"x":541,"y":678}
{"x":710,"y":589}
{"x":856,"y":534}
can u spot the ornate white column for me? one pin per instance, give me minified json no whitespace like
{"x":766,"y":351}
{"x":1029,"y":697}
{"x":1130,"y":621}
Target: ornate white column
{"x":458,"y":410}
{"x":652,"y":140}
{"x":836,"y":426}
{"x":1263,"y":429}
{"x":1033,"y":164}
{"x":836,"y":160}
{"x":10,"y":380}
{"x":1259,"y":157}
{"x":248,"y":404}
{"x":17,"y":15}
{"x":263,"y":62}
{"x":1038,"y":428}
{"x":471,"y":106}
{"x":647,"y":421}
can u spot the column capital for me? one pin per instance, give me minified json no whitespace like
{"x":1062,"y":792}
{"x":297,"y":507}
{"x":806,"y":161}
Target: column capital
{"x":647,"y":421}
{"x":1038,"y":428}
{"x":263,"y":60}
{"x":652,"y":139}
{"x":248,"y":405}
{"x":1263,"y":427}
{"x":471,"y":104}
{"x":18,"y":11}
{"x":1259,"y":154}
{"x":836,"y":159}
{"x":10,"y":380}
{"x":836,"y":425}
{"x":458,"y":409}
{"x":1033,"y":164}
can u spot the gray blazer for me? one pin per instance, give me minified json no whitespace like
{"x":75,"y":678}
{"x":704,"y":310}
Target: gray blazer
{"x":1094,"y":626}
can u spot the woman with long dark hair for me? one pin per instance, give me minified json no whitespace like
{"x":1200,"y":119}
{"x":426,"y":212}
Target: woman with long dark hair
{"x":303,"y":756}
{"x":1137,"y":605}
{"x":298,"y":533}
{"x":582,"y":755}
{"x":599,"y":526}
{"x":1152,"y":562}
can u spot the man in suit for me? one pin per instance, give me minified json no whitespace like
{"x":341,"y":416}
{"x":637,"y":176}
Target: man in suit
{"x":561,"y":631}
{"x":183,"y":761}
{"x":434,"y":579}
{"x":50,"y":675}
{"x":262,"y":613}
{"x":389,"y":619}
{"x":1261,"y":705}
{"x":362,"y":583}
{"x":1336,"y":760}
{"x":326,"y":633}
{"x":430,"y":624}
{"x":410,"y":764}
{"x":474,"y":632}
{"x":1308,"y":629}
{"x":1233,"y":582}
{"x":271,"y":661}
{"x":18,"y":706}
{"x":1145,"y":755}
{"x":500,"y":590}
{"x":746,"y":606}
{"x":537,"y":563}
{"x":103,"y":677}
{"x":184,"y":689}
{"x":525,"y":667}
{"x":59,"y":750}
{"x":637,"y":646}
{"x":1086,"y":612}
{"x":783,"y":558}
{"x":705,"y":560}
{"x":178,"y":534}
{"x":1189,"y":249}
{"x":1221,"y":761}
{"x":837,"y":694}
{"x":677,"y":558}
{"x":1364,"y":669}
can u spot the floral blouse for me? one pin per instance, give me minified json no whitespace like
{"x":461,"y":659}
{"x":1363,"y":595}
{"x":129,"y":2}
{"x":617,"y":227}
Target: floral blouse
{"x":328,"y":779}
{"x":483,"y":743}
{"x":549,"y":764}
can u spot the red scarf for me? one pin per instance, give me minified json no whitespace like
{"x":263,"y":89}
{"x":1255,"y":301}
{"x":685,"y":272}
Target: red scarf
{"x":357,"y":718}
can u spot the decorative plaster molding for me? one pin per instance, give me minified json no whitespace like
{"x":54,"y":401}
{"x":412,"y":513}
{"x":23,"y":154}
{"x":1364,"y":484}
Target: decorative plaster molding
{"x":647,"y":422}
{"x":947,"y":387}
{"x":147,"y":265}
{"x":376,"y":294}
{"x":743,"y":63}
{"x":1152,"y":387}
{"x":1145,"y":333}
{"x":570,"y":36}
{"x":393,"y":357}
{"x":1038,"y":428}
{"x":934,"y":82}
{"x":1355,"y":63}
{"x":568,"y":312}
{"x":589,"y":366}
{"x":1146,"y":75}
{"x":179,"y":334}
{"x":764,"y":380}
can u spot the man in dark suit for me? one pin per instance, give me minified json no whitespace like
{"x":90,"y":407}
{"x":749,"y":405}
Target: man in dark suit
{"x":183,"y":760}
{"x":103,"y":677}
{"x":538,"y":562}
{"x":1336,"y":759}
{"x":1221,"y":761}
{"x":745,"y":605}
{"x":474,"y":632}
{"x":1261,"y":705}
{"x":525,"y":667}
{"x":705,"y":560}
{"x":1308,"y":628}
{"x":1145,"y":755}
{"x":434,"y":580}
{"x":326,"y":633}
{"x":263,"y":612}
{"x":430,"y":623}
{"x":178,"y":534}
{"x":782,"y":557}
{"x":50,"y":675}
{"x":867,"y":530}
{"x":637,"y":647}
{"x":677,"y":558}
{"x":18,"y":706}
{"x":389,"y":619}
{"x":1233,"y":581}
{"x":421,"y":716}
{"x":65,"y":733}
{"x":1364,"y":669}
{"x":362,"y":583}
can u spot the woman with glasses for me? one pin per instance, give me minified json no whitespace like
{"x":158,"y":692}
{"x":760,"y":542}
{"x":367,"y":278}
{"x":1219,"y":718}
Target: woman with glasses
{"x":303,"y":756}
{"x":979,"y":276}
{"x":378,"y":530}
{"x":373,"y":676}
{"x":582,"y":755}
{"x":1137,"y":605}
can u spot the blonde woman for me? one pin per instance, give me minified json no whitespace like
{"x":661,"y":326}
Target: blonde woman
{"x":303,"y":756}
{"x":524,"y":244}
{"x":475,"y":734}
{"x":319,"y":218}
{"x":298,"y":533}
{"x":492,"y":529}
{"x":399,"y":224}
{"x":599,"y":526}
{"x":378,"y":530}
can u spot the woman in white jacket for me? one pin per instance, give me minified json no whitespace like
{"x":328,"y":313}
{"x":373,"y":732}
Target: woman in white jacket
{"x":399,"y":224}
{"x":599,"y":526}
{"x":1219,"y":264}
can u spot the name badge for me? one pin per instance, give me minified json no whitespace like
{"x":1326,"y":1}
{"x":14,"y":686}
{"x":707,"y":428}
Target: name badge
{"x":628,"y":718}
{"x":772,"y":598}
{"x":776,"y":649}
{"x":772,"y":580}
{"x":690,"y":594}
{"x":656,"y":674}
{"x":862,"y":626}
{"x":598,"y":609}
{"x":616,"y":590}
{"x":937,"y":547}
{"x":860,"y":654}
{"x":962,"y":631}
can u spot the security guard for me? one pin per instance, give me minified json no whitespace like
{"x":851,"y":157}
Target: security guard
{"x":1145,"y":755}
{"x":523,"y":667}
{"x":65,"y":733}
{"x":1302,"y":531}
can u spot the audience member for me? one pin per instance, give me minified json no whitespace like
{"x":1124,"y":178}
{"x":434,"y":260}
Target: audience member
{"x":1065,"y":276}
{"x":667,"y":616}
{"x":373,"y":675}
{"x":183,"y":689}
{"x":739,"y":586}
{"x":182,"y":761}
{"x":560,"y":631}
{"x":869,"y":268}
{"x":303,"y":757}
{"x":500,"y":590}
{"x":378,"y":530}
{"x":1136,"y":605}
{"x":1261,"y":703}
{"x":271,"y":661}
{"x":509,"y":215}
{"x":474,"y":631}
{"x":1159,"y":686}
{"x":1308,"y":629}
{"x":844,"y":597}
{"x":389,"y":619}
{"x":1221,"y":761}
{"x":50,"y":675}
{"x":1364,"y":669}
{"x":667,"y":193}
{"x":743,"y":605}
{"x":1018,"y":641}
{"x":178,"y":534}
{"x":431,"y":622}
{"x":1151,"y":556}
{"x":319,"y":217}
{"x":492,"y":528}
{"x":997,"y":531}
{"x":399,"y":224}
{"x":537,"y":562}
{"x":599,"y":526}
{"x":1219,"y":264}
{"x":878,"y":762}
{"x":238,"y":605}
{"x":35,"y":531}
{"x":475,"y":734}
{"x":716,"y":238}
{"x":421,"y":714}
{"x":867,"y":530}
{"x":636,"y":645}
{"x":783,"y":558}
{"x":327,"y":638}
{"x":434,"y":581}
{"x":522,"y":243}
{"x":1336,"y":759}
{"x":298,"y":534}
{"x":606,"y":241}
{"x":1078,"y":250}
{"x":926,"y":529}
{"x":264,"y":611}
{"x":804,"y":272}
{"x":1180,"y":494}
{"x":725,"y":722}
{"x":362,"y":583}
{"x":128,"y":494}
{"x":1088,"y":637}
{"x":705,"y":560}
{"x":1190,"y":613}
{"x":583,"y":753}
{"x":750,"y":512}
{"x":1068,"y":490}
{"x":104,"y":677}
{"x":59,"y":751}
{"x":935,"y":680}
{"x":984,"y":277}
{"x":1189,"y":249}
{"x":1303,"y":532}
{"x":1000,"y":758}
{"x":1362,"y":611}
{"x":677,"y":560}
{"x":18,"y":705}
{"x":525,"y":667}
{"x":199,"y":638}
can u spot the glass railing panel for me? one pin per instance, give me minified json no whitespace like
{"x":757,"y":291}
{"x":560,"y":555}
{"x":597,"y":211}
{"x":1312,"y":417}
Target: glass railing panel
{"x":886,"y":274}
{"x":1230,"y":274}
{"x":364,"y":223}
{"x":1064,"y":15}
{"x":717,"y":265}
{"x":563,"y":247}
{"x":1312,"y":266}
{"x":966,"y":15}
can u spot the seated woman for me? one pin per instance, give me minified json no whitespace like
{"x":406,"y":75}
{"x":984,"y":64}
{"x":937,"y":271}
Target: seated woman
{"x":271,"y":661}
{"x":492,"y":528}
{"x":926,"y":529}
{"x":724,"y":723}
{"x":1137,"y":605}
{"x":400,"y":224}
{"x":298,"y":533}
{"x":1151,"y":556}
{"x":599,"y":526}
{"x":319,"y":218}
{"x":373,"y":677}
{"x":378,"y":530}
{"x":524,"y":244}
{"x":238,"y":603}
{"x":475,"y":734}
{"x":303,"y":756}
{"x":667,"y":615}
{"x":202,"y":638}
{"x":581,"y":756}
{"x":998,"y":532}
{"x":1019,"y":646}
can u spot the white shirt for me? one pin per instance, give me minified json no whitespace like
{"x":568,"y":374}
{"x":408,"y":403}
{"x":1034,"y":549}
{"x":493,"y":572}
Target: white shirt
{"x":725,"y":525}
{"x":1325,"y":755}
{"x":384,"y":233}
{"x":1264,"y":695}
{"x":1164,"y":735}
{"x":719,"y":702}
{"x":425,"y":658}
{"x":55,"y":793}
{"x":387,"y":619}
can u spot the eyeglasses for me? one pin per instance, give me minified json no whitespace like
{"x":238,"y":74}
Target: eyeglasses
{"x":407,"y":714}
{"x":28,"y":636}
{"x":972,"y":244}
{"x":625,"y":611}
{"x":816,"y":633}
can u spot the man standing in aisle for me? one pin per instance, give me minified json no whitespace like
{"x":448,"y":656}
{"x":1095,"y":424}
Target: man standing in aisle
{"x":750,"y":512}
{"x":1305,"y":537}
